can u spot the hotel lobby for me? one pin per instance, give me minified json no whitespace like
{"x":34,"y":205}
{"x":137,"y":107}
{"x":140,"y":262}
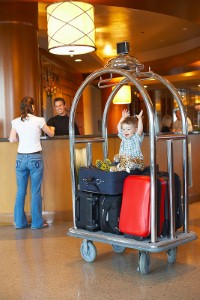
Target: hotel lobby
{"x":48,"y":263}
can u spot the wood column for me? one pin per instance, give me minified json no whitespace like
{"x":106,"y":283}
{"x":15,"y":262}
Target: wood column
{"x":19,"y":59}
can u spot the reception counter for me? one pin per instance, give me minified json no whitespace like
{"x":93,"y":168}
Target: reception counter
{"x":56,"y":188}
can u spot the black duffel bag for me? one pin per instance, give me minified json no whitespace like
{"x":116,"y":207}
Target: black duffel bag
{"x":110,"y":206}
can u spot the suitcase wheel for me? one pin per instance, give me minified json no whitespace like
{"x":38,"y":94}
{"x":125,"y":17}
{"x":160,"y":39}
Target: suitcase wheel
{"x":88,"y":251}
{"x":144,"y":263}
{"x":118,"y":249}
{"x":171,"y":255}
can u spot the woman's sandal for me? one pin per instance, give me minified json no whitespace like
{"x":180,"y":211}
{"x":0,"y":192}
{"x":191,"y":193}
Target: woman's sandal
{"x":22,"y":227}
{"x":45,"y":225}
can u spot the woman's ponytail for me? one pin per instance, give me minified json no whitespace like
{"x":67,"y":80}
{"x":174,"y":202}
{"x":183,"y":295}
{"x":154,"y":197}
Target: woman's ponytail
{"x":26,"y":107}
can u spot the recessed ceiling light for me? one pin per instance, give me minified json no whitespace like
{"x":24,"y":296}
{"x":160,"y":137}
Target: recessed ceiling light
{"x":78,"y":60}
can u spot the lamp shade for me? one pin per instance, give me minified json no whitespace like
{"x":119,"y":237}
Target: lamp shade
{"x":123,"y":96}
{"x":70,"y":28}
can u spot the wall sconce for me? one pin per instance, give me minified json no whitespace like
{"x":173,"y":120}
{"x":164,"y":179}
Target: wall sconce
{"x":123,"y":96}
{"x":70,"y":27}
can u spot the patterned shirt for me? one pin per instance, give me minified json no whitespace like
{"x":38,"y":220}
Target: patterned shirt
{"x":131,"y":146}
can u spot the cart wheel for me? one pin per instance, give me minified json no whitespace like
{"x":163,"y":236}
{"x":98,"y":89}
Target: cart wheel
{"x":144,"y":263}
{"x":171,"y":255}
{"x":118,"y":249}
{"x":88,"y":251}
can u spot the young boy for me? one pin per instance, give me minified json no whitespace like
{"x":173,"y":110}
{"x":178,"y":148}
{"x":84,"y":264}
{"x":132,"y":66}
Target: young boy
{"x":130,"y":131}
{"x":130,"y":157}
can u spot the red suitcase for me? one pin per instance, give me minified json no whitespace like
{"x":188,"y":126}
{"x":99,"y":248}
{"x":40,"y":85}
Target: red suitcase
{"x":135,"y":210}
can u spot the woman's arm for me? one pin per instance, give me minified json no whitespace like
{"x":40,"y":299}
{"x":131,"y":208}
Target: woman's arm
{"x":13,"y":137}
{"x":49,"y":130}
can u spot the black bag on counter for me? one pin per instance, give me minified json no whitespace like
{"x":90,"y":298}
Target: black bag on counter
{"x":87,"y":211}
{"x":110,"y":206}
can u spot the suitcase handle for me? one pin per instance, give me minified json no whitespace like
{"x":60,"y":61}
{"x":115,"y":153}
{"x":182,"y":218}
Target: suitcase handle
{"x":92,"y":212}
{"x":93,"y":181}
{"x":77,"y":209}
{"x":89,"y":180}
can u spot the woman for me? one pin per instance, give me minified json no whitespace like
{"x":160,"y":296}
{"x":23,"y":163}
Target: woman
{"x":27,"y":130}
{"x":166,"y":124}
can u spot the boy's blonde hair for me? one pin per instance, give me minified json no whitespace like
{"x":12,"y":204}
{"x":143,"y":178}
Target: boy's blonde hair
{"x":130,"y":121}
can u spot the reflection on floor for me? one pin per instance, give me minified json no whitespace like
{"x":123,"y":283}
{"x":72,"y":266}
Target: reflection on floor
{"x":46,"y":264}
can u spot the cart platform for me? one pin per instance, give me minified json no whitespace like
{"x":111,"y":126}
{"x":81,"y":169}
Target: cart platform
{"x":162,"y":244}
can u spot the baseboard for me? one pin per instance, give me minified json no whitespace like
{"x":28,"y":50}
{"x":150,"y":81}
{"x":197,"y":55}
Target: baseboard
{"x":6,"y":219}
{"x":48,"y":216}
{"x":194,"y":198}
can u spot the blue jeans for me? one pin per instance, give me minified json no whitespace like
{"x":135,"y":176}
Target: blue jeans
{"x":29,"y":165}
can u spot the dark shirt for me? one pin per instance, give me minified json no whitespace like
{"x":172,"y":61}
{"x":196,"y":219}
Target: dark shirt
{"x":61,"y":124}
{"x":165,"y":129}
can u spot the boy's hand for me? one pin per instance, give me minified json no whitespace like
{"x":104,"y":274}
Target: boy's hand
{"x":125,"y":113}
{"x":140,"y":115}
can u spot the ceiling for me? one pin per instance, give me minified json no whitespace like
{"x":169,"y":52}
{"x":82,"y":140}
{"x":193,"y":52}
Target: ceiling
{"x":166,"y":38}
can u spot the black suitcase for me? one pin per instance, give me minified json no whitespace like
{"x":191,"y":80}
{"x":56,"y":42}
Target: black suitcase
{"x":87,"y":211}
{"x":110,"y":206}
{"x":178,"y":203}
{"x":97,"y":181}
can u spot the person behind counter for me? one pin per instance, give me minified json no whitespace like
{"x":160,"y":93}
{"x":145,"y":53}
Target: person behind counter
{"x":61,"y":121}
{"x":166,"y":124}
{"x":177,"y":126}
{"x":197,"y":107}
{"x":27,"y":131}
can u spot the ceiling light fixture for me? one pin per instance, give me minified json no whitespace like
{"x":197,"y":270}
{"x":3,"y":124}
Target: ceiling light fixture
{"x":70,"y":27}
{"x":123,"y":96}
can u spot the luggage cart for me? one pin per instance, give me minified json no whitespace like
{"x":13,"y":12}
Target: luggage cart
{"x":130,"y":69}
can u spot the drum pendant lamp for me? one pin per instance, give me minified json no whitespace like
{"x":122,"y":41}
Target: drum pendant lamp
{"x":70,"y":28}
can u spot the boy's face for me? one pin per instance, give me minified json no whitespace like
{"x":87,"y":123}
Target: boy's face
{"x":128,"y":130}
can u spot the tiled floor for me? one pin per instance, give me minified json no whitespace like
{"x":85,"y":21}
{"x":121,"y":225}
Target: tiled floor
{"x":46,"y":264}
